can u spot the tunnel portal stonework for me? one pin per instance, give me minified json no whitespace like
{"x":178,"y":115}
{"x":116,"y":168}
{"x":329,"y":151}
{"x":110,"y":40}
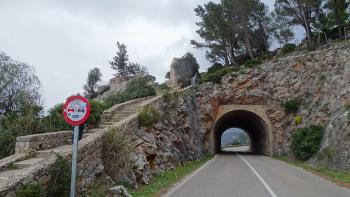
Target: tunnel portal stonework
{"x":251,"y":118}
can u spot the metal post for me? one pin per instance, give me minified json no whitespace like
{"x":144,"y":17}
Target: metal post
{"x":74,"y":161}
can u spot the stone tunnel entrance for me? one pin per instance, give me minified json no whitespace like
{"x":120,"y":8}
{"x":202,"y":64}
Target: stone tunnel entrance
{"x":250,"y":118}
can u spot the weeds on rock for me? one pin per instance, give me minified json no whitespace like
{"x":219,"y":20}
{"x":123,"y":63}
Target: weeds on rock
{"x":31,"y":190}
{"x":59,"y":184}
{"x":117,"y":154}
{"x":148,"y":116}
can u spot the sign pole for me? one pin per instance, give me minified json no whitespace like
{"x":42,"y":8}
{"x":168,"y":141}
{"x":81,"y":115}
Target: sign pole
{"x":74,"y":161}
{"x":76,"y":111}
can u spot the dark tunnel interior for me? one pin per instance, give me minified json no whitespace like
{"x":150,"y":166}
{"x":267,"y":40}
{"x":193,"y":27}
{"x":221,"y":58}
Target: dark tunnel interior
{"x":248,"y":121}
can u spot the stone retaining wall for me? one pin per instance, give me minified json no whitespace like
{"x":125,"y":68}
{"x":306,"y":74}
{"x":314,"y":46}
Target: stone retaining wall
{"x":30,"y":143}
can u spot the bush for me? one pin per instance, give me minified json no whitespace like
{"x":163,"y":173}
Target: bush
{"x":251,"y":63}
{"x":31,"y":190}
{"x":25,"y":122}
{"x":59,"y":184}
{"x":148,"y":116}
{"x":306,"y":141}
{"x":288,"y":48}
{"x":297,"y":120}
{"x":292,"y":106}
{"x":216,"y":76}
{"x":54,"y":121}
{"x":7,"y":144}
{"x":97,"y":109}
{"x":215,"y":67}
{"x":136,"y":88}
{"x":117,"y":154}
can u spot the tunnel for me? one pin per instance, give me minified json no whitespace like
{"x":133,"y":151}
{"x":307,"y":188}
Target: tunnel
{"x":248,"y":121}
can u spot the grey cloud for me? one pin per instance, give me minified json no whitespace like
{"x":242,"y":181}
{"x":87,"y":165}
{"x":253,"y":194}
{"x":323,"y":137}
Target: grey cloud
{"x":63,"y":39}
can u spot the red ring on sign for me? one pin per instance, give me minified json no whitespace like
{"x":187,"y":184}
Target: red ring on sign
{"x":84,"y":119}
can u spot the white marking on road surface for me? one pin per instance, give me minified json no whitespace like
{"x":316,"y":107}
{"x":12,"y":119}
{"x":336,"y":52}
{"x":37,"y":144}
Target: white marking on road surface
{"x":272,"y":193}
{"x":178,"y":186}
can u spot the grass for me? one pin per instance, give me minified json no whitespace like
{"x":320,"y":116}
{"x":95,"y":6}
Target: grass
{"x":161,"y":182}
{"x":99,"y":189}
{"x":341,"y":178}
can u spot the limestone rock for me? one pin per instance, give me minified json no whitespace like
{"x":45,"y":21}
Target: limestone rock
{"x":182,"y":70}
{"x":119,"y":191}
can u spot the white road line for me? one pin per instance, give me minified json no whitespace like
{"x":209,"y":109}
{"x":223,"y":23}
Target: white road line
{"x":272,"y":193}
{"x":171,"y":191}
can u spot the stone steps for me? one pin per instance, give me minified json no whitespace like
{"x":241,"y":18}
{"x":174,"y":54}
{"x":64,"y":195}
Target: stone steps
{"x":27,"y":163}
{"x":25,"y":166}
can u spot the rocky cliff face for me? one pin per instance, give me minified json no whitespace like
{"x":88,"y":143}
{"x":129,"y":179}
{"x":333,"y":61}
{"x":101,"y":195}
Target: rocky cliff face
{"x":175,"y":139}
{"x":319,"y":78}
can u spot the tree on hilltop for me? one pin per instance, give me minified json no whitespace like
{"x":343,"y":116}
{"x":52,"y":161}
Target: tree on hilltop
{"x":123,"y":67}
{"x":94,"y":77}
{"x":299,"y":12}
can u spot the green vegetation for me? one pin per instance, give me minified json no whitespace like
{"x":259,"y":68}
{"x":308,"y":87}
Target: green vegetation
{"x":164,"y":180}
{"x":99,"y":189}
{"x":117,"y":154}
{"x":216,"y":72}
{"x":298,"y":120}
{"x":306,"y":141}
{"x":288,"y":48}
{"x":7,"y":144}
{"x":55,"y":119}
{"x":123,"y":67}
{"x":136,"y":88}
{"x":97,"y":109}
{"x":92,"y":83}
{"x":59,"y":184}
{"x":251,"y":63}
{"x":292,"y":106}
{"x":148,"y":116}
{"x":340,"y":177}
{"x":31,"y":190}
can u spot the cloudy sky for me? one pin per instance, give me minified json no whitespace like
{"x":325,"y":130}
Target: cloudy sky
{"x":63,"y":39}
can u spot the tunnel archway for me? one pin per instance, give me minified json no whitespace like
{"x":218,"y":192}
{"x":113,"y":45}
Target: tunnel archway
{"x":255,"y":126}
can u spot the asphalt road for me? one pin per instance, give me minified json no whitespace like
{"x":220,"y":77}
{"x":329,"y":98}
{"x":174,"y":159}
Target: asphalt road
{"x":237,"y":175}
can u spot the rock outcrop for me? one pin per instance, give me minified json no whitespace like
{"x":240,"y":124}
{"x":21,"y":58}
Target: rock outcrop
{"x":182,"y":70}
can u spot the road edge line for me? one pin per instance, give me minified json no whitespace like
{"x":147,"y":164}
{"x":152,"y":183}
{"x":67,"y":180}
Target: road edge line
{"x":269,"y":189}
{"x":182,"y":182}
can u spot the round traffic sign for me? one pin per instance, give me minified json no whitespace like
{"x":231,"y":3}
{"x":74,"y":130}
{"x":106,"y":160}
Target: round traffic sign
{"x":76,"y":110}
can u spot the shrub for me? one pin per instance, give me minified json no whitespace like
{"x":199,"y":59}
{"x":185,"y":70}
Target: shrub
{"x":292,"y":106}
{"x":251,"y":63}
{"x":7,"y":144}
{"x":215,"y":67}
{"x":54,"y":121}
{"x":26,"y":121}
{"x":136,"y":88}
{"x":59,"y":184}
{"x":297,"y":120}
{"x":148,"y":116}
{"x":97,"y":109}
{"x":117,"y":154}
{"x":306,"y":141}
{"x":216,"y":76}
{"x":31,"y":190}
{"x":288,"y":48}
